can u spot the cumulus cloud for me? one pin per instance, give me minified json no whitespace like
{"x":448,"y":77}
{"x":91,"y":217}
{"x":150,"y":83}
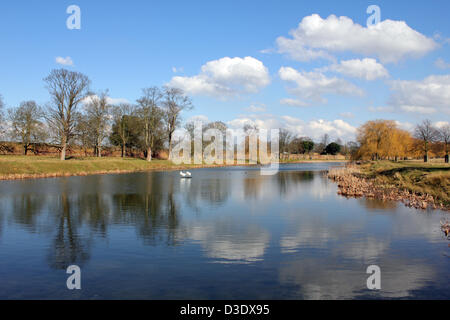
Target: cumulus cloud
{"x":336,"y":128}
{"x":67,"y":61}
{"x":389,"y":40}
{"x":314,"y":129}
{"x":368,"y":69}
{"x":425,"y":97}
{"x":314,"y":85}
{"x":226,"y":77}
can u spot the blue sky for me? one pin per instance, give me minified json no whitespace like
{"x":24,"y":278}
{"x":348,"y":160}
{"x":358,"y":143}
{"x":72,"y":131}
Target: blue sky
{"x":350,"y":77}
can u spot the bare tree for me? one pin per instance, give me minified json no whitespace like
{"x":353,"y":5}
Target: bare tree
{"x":286,"y":137}
{"x":324,"y":141}
{"x":121,"y":115}
{"x":175,"y":101}
{"x":67,"y":89}
{"x":26,"y":124}
{"x":427,"y":134}
{"x":444,"y":133}
{"x":84,"y":132}
{"x":151,"y":115}
{"x":99,"y":117}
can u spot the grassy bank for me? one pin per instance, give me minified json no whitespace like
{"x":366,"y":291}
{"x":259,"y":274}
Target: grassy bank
{"x":21,"y":167}
{"x":418,"y":177}
{"x":415,"y":183}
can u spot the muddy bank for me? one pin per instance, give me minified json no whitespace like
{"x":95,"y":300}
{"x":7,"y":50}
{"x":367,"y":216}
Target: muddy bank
{"x":352,"y":183}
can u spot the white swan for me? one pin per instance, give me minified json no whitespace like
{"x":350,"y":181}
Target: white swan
{"x":186,"y":174}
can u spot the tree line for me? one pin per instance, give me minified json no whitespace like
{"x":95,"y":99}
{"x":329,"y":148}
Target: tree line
{"x":76,"y":115}
{"x":145,"y":126}
{"x":383,"y":139}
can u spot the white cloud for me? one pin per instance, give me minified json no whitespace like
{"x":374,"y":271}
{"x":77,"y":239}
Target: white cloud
{"x":418,"y":109}
{"x":441,"y":64}
{"x":293,"y":102}
{"x":426,"y":96}
{"x":226,"y":77}
{"x":314,"y":129}
{"x":405,"y":125}
{"x":336,"y":128}
{"x":67,"y":61}
{"x":109,"y":100}
{"x":368,"y":69}
{"x":389,"y":40}
{"x":441,"y":124}
{"x":314,"y":85}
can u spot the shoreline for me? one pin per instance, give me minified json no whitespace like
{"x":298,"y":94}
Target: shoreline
{"x":30,"y":176}
{"x":354,"y":183}
{"x":31,"y":168}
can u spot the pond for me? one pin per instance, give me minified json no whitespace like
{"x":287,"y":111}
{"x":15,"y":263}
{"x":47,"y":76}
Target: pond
{"x":227,"y":233}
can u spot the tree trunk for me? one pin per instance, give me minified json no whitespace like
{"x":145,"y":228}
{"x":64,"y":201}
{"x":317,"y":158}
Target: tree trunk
{"x":63,"y":150}
{"x":170,"y":146}
{"x":446,"y":158}
{"x":149,"y":154}
{"x":123,"y":150}
{"x":25,"y":150}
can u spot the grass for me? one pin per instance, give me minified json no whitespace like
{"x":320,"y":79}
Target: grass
{"x":21,"y":167}
{"x":418,"y":177}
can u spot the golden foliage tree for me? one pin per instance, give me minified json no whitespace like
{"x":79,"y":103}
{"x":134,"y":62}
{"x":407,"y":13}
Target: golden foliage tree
{"x":382,"y":139}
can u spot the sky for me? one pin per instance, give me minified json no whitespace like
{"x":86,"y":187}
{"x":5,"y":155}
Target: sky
{"x":312,"y":67}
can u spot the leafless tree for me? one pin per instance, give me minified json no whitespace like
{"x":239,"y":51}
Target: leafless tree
{"x":175,"y":101}
{"x":98,"y":112}
{"x":286,"y":137}
{"x":427,"y":134}
{"x":324,"y":141}
{"x":67,"y":90}
{"x":151,"y":116}
{"x":26,"y":124}
{"x":84,"y":132}
{"x":444,"y":133}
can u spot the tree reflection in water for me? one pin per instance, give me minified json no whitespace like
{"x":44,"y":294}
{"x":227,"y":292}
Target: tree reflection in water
{"x":68,"y":246}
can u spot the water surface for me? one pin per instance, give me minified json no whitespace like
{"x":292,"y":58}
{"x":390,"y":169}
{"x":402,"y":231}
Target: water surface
{"x":225,"y":234}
